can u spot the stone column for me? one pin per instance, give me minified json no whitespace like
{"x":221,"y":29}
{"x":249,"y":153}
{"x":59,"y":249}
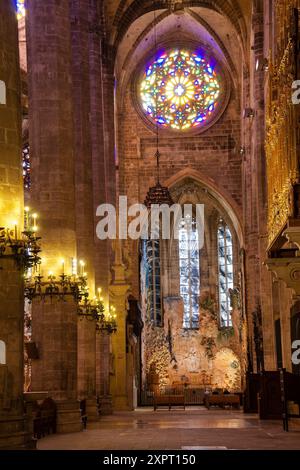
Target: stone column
{"x":14,"y":432}
{"x":118,"y":291}
{"x":87,"y":365}
{"x":101,"y":72}
{"x":80,"y":44}
{"x":51,"y":133}
{"x":103,"y":371}
{"x":80,"y":32}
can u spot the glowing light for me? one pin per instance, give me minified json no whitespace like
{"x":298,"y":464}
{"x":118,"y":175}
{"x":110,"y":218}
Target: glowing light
{"x":180,"y":90}
{"x":20,"y":5}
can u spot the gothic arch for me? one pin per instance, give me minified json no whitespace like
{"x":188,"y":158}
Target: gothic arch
{"x":222,"y":196}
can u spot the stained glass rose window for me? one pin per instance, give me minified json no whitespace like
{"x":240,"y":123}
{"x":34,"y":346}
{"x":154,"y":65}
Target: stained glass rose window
{"x":180,"y":90}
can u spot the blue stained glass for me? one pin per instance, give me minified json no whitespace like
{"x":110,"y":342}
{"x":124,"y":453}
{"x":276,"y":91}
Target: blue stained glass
{"x":189,"y":274}
{"x":20,"y":7}
{"x":225,"y":262}
{"x":183,"y":78}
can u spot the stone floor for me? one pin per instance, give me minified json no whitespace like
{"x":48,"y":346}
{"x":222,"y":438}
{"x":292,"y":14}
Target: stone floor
{"x":177,"y":429}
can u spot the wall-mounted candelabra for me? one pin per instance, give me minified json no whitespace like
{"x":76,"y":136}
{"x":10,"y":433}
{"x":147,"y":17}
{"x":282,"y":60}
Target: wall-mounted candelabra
{"x":59,"y":288}
{"x":93,"y":309}
{"x":23,"y":246}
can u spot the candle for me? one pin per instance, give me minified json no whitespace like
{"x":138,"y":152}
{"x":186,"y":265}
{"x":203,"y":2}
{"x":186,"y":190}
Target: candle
{"x":34,"y":216}
{"x":16,"y":231}
{"x":81,"y":267}
{"x":63,"y":266}
{"x":74,"y":266}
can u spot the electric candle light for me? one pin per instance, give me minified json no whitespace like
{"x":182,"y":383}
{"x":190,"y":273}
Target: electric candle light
{"x":99,"y":292}
{"x":34,"y":216}
{"x":82,"y":264}
{"x":63,"y":266}
{"x":74,"y":266}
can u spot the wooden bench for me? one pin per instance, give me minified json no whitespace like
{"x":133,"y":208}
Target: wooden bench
{"x":222,"y":400}
{"x":168,"y":400}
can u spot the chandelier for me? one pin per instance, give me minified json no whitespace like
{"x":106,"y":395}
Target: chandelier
{"x":158,"y":194}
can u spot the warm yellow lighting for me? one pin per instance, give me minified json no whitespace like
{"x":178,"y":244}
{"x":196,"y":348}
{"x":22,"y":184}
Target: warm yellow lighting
{"x":82,"y":264}
{"x":26,"y":209}
{"x":50,"y":273}
{"x":35,"y":228}
{"x":74,"y":266}
{"x":34,"y":216}
{"x":101,"y":299}
{"x":62,"y":262}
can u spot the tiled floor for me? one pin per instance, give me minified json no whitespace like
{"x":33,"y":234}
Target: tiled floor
{"x":175,"y":429}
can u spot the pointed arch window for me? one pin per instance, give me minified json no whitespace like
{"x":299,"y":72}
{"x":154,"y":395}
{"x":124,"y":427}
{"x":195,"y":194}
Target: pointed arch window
{"x":225,"y":267}
{"x":189,"y":273}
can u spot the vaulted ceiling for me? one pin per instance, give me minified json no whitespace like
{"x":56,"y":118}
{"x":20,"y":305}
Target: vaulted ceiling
{"x":222,"y":26}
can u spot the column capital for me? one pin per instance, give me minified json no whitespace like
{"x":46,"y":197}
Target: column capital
{"x":293,"y":235}
{"x":286,"y":270}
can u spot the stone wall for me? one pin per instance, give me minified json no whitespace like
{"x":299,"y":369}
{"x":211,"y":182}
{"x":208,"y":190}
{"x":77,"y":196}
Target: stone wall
{"x":208,"y":357}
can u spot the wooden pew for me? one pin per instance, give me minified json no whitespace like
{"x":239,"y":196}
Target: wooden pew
{"x":222,"y":400}
{"x":168,"y":400}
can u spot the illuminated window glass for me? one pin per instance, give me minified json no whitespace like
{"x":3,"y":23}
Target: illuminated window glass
{"x":26,"y":166}
{"x":189,"y":273}
{"x":151,"y":267}
{"x":20,"y":5}
{"x":225,"y":261}
{"x":180,"y":90}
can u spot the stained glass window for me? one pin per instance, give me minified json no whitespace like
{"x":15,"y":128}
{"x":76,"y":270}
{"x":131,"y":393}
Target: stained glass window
{"x":26,"y":166}
{"x":189,"y":273}
{"x":180,"y":90}
{"x":20,"y":4}
{"x":151,"y":271}
{"x":225,"y":261}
